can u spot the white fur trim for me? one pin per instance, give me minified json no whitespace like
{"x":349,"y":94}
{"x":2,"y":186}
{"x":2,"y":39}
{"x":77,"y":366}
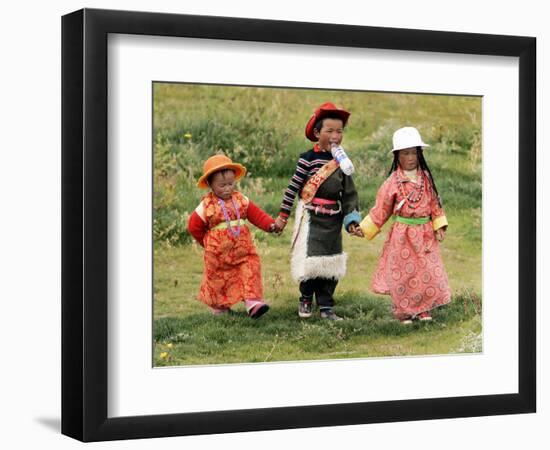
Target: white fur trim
{"x":333,"y":266}
{"x":304,"y":267}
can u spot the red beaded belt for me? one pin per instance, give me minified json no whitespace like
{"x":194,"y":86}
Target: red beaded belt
{"x":323,"y":201}
{"x":317,"y":205}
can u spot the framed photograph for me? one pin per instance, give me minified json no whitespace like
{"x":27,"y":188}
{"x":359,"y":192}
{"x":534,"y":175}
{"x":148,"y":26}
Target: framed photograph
{"x":161,"y":339}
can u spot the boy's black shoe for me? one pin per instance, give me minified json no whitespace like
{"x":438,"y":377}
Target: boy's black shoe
{"x":305,"y":309}
{"x":329,"y":314}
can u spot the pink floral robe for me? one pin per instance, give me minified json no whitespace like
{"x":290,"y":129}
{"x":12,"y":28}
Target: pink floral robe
{"x":410,"y":268}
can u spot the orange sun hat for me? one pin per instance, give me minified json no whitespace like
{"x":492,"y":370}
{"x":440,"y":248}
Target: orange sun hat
{"x":324,"y":110}
{"x":215,"y":164}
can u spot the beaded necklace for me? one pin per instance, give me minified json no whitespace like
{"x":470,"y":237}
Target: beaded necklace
{"x":235,"y":232}
{"x":416,"y":193}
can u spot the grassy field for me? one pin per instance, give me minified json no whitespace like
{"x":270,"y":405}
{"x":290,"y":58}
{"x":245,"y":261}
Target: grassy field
{"x":263,"y":129}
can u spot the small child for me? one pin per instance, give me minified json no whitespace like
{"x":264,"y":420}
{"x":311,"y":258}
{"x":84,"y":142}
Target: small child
{"x":328,"y":201}
{"x":410,"y":268}
{"x":232,"y":270}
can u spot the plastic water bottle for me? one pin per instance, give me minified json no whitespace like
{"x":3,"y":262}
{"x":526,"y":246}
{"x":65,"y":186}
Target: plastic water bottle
{"x":341,"y":157}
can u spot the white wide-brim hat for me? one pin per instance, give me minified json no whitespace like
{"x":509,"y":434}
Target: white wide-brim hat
{"x":407,"y":137}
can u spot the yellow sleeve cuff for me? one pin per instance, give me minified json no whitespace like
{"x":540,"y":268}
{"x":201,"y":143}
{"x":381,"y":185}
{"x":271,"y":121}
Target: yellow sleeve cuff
{"x":439,"y":222}
{"x":370,"y":230}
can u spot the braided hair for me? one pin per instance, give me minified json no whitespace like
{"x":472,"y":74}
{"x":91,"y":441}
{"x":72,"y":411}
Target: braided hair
{"x":423,"y":166}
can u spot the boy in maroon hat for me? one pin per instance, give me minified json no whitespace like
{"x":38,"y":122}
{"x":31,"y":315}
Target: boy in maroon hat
{"x":327,"y":201}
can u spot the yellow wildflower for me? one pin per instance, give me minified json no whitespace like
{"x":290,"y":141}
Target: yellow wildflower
{"x":163,"y":355}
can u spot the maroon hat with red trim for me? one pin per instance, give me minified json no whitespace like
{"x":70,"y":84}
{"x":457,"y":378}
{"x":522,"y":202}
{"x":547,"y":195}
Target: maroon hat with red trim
{"x":326,"y":109}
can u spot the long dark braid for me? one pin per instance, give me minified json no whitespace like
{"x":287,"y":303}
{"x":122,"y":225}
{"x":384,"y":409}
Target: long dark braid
{"x":423,"y":166}
{"x":395,"y":163}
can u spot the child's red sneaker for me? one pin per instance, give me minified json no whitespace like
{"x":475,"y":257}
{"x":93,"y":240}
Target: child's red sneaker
{"x":256,"y":308}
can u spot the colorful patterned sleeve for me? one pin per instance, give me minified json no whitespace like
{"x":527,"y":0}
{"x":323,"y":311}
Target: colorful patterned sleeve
{"x":439,"y":220}
{"x":382,"y":210}
{"x":295,"y":185}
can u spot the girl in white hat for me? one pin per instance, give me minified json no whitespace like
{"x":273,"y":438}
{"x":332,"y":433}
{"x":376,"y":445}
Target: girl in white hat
{"x":410,"y":268}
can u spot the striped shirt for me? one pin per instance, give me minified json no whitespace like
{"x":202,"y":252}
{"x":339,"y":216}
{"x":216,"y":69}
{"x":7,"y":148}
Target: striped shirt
{"x":308,"y":164}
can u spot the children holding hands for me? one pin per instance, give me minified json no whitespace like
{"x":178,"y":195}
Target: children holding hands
{"x":410,"y":268}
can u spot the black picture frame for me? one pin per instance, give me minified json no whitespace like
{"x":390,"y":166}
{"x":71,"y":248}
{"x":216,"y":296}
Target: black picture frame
{"x":84,"y":224}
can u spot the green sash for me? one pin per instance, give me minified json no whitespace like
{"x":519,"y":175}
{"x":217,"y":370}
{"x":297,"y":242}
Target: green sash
{"x":412,"y":220}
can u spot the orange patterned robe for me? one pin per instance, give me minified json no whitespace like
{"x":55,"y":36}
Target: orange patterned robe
{"x":410,"y":268}
{"x":232,"y":270}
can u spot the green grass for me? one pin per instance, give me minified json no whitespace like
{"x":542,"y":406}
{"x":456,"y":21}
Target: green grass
{"x":197,"y":337}
{"x":369,"y":330}
{"x":264,"y":130}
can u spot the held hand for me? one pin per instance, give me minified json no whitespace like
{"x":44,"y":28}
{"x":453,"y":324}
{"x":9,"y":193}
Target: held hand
{"x":440,"y":234}
{"x":355,"y":230}
{"x":280,"y":224}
